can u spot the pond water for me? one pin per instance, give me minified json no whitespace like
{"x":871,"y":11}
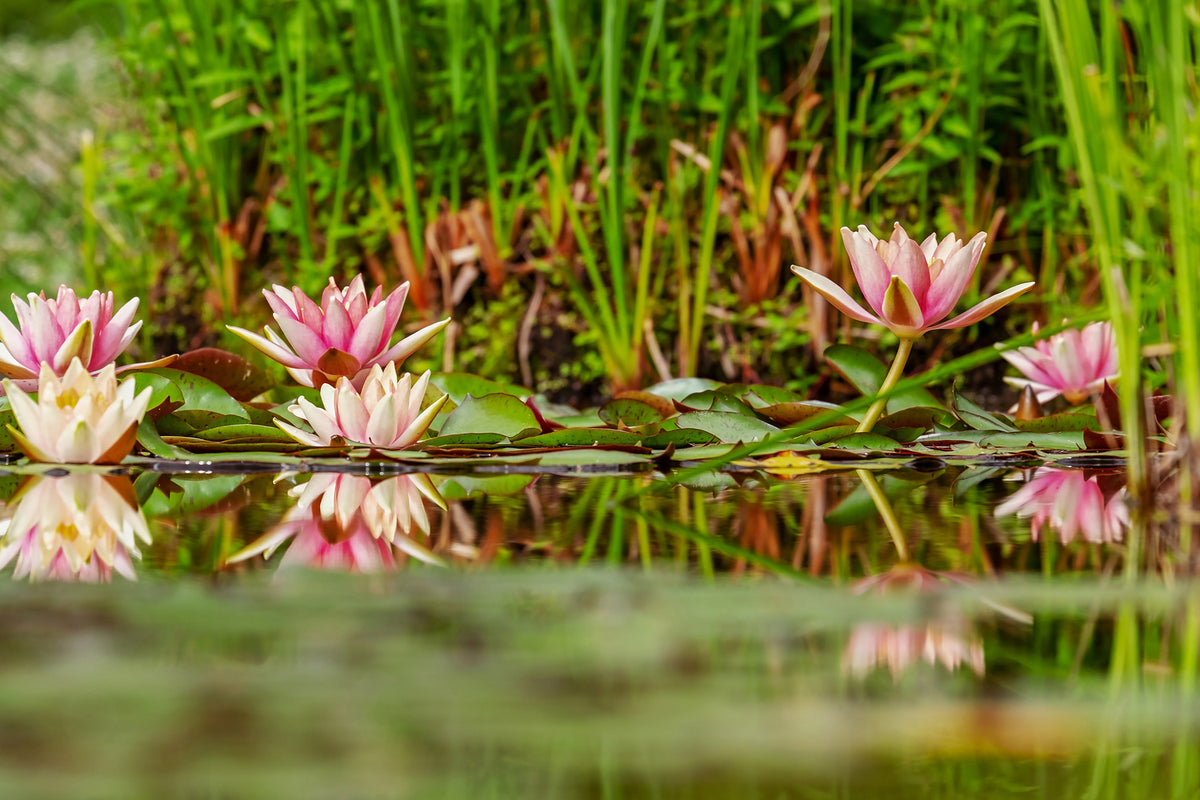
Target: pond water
{"x":914,"y":632}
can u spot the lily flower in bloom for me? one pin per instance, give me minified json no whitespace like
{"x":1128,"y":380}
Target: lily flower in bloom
{"x":343,"y":337}
{"x":79,"y":527}
{"x":909,"y":287}
{"x":56,"y":331}
{"x":78,"y":419}
{"x":344,"y":522}
{"x":947,"y":640}
{"x":1072,"y":504}
{"x":1073,"y":363}
{"x":386,"y":414}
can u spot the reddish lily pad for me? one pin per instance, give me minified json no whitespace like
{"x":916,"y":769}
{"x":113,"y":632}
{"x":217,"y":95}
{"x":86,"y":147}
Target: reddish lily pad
{"x":793,"y":412}
{"x":240,"y":378}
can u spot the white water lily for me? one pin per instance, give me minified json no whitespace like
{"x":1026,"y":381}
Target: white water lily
{"x":78,"y":419}
{"x":79,"y":527}
{"x":386,"y":413}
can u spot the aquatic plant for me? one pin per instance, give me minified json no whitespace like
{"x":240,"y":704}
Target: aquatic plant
{"x":55,"y":331}
{"x":1072,"y":504}
{"x":345,"y":336}
{"x":1074,"y":363}
{"x":387,"y":413}
{"x":346,"y":522}
{"x":78,"y":419}
{"x":910,"y":287}
{"x":78,"y":527}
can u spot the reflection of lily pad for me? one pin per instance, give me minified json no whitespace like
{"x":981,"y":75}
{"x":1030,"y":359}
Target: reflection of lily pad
{"x":491,"y":413}
{"x":460,"y":487}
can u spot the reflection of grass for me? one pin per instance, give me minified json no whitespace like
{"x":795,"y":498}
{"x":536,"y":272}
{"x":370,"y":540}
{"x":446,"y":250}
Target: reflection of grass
{"x":445,"y":683}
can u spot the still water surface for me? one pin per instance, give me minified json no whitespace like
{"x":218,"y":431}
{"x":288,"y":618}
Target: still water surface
{"x":541,"y":635}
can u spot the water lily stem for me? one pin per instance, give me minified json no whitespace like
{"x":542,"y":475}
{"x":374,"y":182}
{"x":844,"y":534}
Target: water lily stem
{"x":884,"y":506}
{"x":895,"y":373}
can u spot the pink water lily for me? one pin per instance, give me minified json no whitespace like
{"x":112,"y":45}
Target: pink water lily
{"x":343,"y":337}
{"x":1073,"y":363}
{"x":909,"y":287}
{"x":55,"y":331}
{"x":385,"y":414}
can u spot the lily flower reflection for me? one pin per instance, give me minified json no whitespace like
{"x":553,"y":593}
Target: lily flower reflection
{"x":347,"y":523}
{"x":1072,"y":504}
{"x":948,"y":641}
{"x":74,"y":528}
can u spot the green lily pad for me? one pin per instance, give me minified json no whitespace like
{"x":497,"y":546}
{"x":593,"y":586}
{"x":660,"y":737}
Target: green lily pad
{"x":165,"y":394}
{"x":979,"y":419}
{"x":728,"y":426}
{"x":630,"y":413}
{"x":491,"y":413}
{"x":203,"y":400}
{"x":679,"y":388}
{"x":581,"y":437}
{"x":1057,"y":423}
{"x":221,"y":433}
{"x":680,"y":437}
{"x":461,"y":384}
{"x":464,"y":440}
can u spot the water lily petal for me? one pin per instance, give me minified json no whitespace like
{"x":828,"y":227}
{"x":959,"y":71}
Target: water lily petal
{"x":871,"y":273}
{"x":901,"y":311}
{"x":836,"y":295}
{"x":986,"y":308}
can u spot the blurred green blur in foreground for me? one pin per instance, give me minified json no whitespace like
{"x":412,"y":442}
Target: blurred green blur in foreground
{"x":580,"y":683}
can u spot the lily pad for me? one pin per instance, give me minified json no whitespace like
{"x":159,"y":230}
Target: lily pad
{"x":203,"y":400}
{"x":464,"y":440}
{"x":581,"y":437}
{"x":979,"y":419}
{"x":491,"y":413}
{"x":240,"y":378}
{"x":461,"y":384}
{"x":792,"y":412}
{"x":679,"y":388}
{"x":680,"y":437}
{"x":728,"y":426}
{"x":630,"y":412}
